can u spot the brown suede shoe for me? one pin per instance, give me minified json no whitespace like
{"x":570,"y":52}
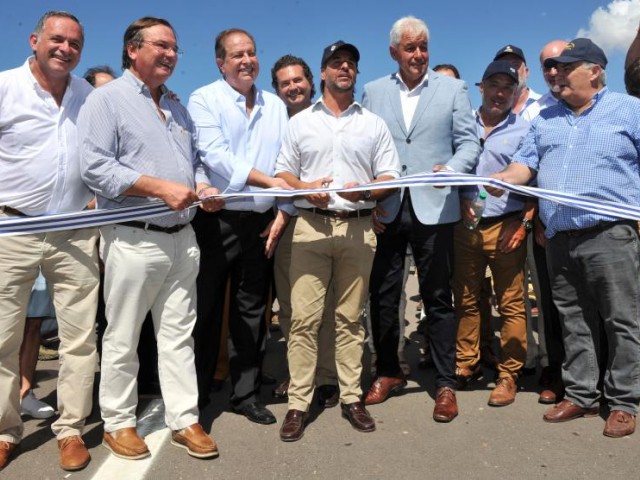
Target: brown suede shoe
{"x":446,"y":408}
{"x":619,"y":424}
{"x":566,"y":410}
{"x":126,"y":443}
{"x":73,"y":454}
{"x":383,"y":388}
{"x":504,"y":393}
{"x":292,"y":428}
{"x":6,"y":450}
{"x":195,"y":441}
{"x":358,"y":417}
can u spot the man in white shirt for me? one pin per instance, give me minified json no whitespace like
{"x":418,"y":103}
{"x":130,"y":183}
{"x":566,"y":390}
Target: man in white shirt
{"x":40,"y":174}
{"x":335,"y":142}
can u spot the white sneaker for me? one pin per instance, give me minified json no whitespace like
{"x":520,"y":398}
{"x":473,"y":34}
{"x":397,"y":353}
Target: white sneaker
{"x":33,"y":407}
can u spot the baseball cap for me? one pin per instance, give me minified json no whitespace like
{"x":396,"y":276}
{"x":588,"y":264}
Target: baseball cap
{"x":500,"y":66}
{"x":334,"y":47}
{"x":580,"y":49}
{"x":510,"y":49}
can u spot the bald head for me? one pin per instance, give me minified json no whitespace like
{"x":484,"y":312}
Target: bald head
{"x":550,"y":50}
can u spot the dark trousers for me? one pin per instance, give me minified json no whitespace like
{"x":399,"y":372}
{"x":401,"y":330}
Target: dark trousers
{"x":432,"y":247}
{"x":231,"y":249}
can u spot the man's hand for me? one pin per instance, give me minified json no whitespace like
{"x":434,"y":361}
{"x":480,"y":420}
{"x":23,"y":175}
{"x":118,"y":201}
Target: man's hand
{"x":176,"y":195}
{"x":273,"y":232}
{"x":466,"y":211}
{"x":320,"y":200}
{"x":440,"y":168}
{"x":210,"y":204}
{"x":495,"y":191}
{"x":354,"y":197}
{"x":511,"y":236}
{"x":378,"y":226}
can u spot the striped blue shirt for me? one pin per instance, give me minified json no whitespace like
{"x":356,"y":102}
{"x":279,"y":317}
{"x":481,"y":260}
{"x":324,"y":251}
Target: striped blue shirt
{"x":122,"y":137}
{"x":595,"y":154}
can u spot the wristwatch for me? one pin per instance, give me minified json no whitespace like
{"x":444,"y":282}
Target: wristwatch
{"x":528,"y":226}
{"x":366,"y":195}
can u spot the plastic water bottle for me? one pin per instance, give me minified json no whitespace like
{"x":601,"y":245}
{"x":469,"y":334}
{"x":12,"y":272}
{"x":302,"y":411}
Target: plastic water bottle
{"x":478,"y":208}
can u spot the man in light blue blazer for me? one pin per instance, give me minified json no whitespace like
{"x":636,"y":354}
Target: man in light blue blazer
{"x":431,"y":121}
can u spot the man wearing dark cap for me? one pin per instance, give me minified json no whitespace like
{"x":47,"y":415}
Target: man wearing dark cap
{"x":588,"y":144}
{"x":515,"y":56}
{"x":499,"y":240}
{"x":430,"y":118}
{"x":335,"y":142}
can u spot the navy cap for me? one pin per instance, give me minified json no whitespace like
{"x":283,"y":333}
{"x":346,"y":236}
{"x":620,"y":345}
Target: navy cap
{"x":500,"y":66}
{"x":580,"y":49}
{"x":334,"y":47}
{"x":510,"y":49}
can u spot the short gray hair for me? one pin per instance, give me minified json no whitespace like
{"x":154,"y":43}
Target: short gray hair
{"x":56,"y":13}
{"x":408,"y":24}
{"x":603,"y":73}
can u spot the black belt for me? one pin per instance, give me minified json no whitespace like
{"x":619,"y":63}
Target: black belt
{"x":241,"y":213}
{"x":154,"y":228}
{"x":600,"y":227}
{"x":12,"y":211}
{"x":341,"y":214}
{"x":491,"y":220}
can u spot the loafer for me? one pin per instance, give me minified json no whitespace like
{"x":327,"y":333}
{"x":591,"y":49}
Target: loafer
{"x":446,"y":408}
{"x":358,"y":417}
{"x":256,"y":413}
{"x":383,"y":388}
{"x":282,"y":390}
{"x":6,"y":450}
{"x":35,"y":408}
{"x":566,"y":410}
{"x":504,"y":393}
{"x":552,"y":386}
{"x":195,"y":441}
{"x":619,"y":424}
{"x":73,"y":453}
{"x":292,"y":428}
{"x":126,"y":443}
{"x":328,"y":396}
{"x":465,"y":375}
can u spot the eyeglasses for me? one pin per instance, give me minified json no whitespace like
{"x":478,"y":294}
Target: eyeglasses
{"x":165,"y":47}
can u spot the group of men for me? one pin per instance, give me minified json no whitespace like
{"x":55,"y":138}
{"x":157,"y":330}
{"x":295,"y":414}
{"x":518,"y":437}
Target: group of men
{"x":130,"y":141}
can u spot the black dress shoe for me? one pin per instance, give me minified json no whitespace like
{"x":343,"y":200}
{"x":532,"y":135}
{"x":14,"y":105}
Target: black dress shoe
{"x":292,"y":428}
{"x":256,"y":413}
{"x":328,"y":396}
{"x":358,"y":417}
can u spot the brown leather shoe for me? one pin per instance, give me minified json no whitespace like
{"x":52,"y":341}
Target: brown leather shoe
{"x":504,"y":393}
{"x":552,"y":386}
{"x":195,"y":441}
{"x":6,"y":450}
{"x":292,"y":428}
{"x":446,"y":408}
{"x":383,"y":388}
{"x":619,"y":424}
{"x":282,"y":390}
{"x":73,"y":454}
{"x":465,"y":375}
{"x":358,"y":417}
{"x":328,"y":396}
{"x":126,"y":443}
{"x":566,"y":410}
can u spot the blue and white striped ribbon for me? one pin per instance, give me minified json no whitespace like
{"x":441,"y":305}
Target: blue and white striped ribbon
{"x":94,"y":218}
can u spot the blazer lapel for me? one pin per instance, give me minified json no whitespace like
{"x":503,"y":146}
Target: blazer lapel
{"x":394,"y":100}
{"x":425,"y":98}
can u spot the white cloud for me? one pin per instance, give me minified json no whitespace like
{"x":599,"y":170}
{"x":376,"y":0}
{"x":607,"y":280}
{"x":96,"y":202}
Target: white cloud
{"x":614,"y":26}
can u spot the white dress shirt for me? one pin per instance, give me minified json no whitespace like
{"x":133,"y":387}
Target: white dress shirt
{"x":409,"y":98}
{"x":232,"y":142}
{"x":533,"y":110}
{"x":353,"y":147}
{"x":39,"y":159}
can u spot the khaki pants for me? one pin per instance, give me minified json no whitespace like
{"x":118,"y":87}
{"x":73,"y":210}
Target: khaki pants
{"x":69,"y":262}
{"x":474,"y":250}
{"x":326,"y":368}
{"x":327,"y":250}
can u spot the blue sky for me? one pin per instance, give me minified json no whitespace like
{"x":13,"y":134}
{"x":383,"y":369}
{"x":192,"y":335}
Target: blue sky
{"x":465,"y":33}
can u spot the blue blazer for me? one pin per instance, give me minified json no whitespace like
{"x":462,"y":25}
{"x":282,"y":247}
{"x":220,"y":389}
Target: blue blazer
{"x":442,"y":132}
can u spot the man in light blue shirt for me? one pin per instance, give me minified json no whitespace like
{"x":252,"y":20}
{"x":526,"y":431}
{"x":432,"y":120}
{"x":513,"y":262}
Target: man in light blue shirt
{"x":239,"y":130}
{"x":588,"y":144}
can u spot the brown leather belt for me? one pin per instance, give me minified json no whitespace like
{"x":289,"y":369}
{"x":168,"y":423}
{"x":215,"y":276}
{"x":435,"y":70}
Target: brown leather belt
{"x":154,"y":228}
{"x":341,"y":214}
{"x":12,"y":211}
{"x":600,"y":227}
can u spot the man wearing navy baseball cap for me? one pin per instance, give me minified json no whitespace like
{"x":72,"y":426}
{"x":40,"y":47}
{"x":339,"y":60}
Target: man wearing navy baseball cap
{"x":587,"y":144}
{"x":515,"y":56}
